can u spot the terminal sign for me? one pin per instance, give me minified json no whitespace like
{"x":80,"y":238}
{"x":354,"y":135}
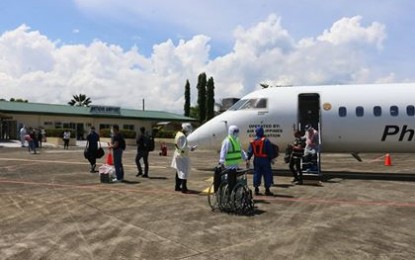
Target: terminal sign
{"x":105,"y":110}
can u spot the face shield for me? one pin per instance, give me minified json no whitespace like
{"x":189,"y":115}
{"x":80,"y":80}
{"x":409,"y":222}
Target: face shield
{"x":233,"y":131}
{"x":187,"y":128}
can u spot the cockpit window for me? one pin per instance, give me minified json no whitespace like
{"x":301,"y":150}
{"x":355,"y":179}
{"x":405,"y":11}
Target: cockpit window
{"x":254,"y":103}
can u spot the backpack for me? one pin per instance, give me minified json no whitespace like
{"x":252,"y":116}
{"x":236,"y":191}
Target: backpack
{"x":150,"y":143}
{"x":122,"y":143}
{"x":275,"y":150}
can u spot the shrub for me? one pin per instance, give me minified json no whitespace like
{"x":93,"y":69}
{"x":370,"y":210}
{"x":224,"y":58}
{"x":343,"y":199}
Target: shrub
{"x":106,"y":132}
{"x":53,"y":132}
{"x":165,"y":134}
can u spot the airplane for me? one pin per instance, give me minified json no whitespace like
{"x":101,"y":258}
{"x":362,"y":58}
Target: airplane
{"x":369,"y":118}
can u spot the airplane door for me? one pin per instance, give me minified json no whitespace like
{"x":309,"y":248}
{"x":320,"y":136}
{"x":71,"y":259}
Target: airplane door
{"x":309,"y":113}
{"x":309,"y":110}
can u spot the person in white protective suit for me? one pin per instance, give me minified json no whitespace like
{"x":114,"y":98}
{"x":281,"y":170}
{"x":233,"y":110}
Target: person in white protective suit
{"x":231,"y":152}
{"x":181,"y":160}
{"x":23,"y":133}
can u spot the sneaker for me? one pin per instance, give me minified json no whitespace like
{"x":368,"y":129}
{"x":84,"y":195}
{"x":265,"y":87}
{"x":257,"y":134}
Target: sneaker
{"x":145,"y":176}
{"x":115,"y":180}
{"x":138,"y":174}
{"x":268,"y":193}
{"x":257,"y":191}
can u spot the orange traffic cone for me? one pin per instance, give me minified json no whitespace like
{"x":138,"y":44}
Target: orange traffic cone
{"x":109,"y":158}
{"x":388,"y":161}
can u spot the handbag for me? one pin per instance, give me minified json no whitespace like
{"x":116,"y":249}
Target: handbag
{"x":100,"y":152}
{"x":86,"y":153}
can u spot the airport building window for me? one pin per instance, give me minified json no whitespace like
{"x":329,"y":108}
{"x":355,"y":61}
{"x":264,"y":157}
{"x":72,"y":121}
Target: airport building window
{"x":128,"y":127}
{"x":360,"y":111}
{"x":377,"y":111}
{"x":342,"y":111}
{"x":69,"y":125}
{"x":48,"y":124}
{"x":394,"y":111}
{"x":104,"y":126}
{"x":410,"y":110}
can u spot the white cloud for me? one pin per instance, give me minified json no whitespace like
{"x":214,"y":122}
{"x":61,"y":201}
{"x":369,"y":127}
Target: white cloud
{"x":349,"y":30}
{"x":33,"y":67}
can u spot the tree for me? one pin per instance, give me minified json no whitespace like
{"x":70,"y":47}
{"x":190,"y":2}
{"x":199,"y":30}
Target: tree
{"x":19,"y":100}
{"x":210,"y":99}
{"x":194,"y":112}
{"x":201,"y":100}
{"x":187,"y":99}
{"x":80,"y":101}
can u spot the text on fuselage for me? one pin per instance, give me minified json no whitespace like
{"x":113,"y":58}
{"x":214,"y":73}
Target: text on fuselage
{"x":404,"y":133}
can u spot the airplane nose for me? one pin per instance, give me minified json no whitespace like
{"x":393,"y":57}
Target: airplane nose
{"x":207,"y":135}
{"x":198,"y":137}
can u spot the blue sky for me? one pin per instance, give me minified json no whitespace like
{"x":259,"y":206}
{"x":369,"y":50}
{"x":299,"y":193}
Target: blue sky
{"x":65,"y":47}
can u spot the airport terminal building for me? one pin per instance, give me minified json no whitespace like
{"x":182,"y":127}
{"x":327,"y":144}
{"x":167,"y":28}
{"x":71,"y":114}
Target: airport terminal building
{"x":13,"y":115}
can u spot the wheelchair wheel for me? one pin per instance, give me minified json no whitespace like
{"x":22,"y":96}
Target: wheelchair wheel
{"x":223,"y":197}
{"x":237,"y":198}
{"x":212,"y":198}
{"x":242,"y":200}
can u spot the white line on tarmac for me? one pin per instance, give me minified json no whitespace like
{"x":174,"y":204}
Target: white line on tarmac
{"x":68,"y":162}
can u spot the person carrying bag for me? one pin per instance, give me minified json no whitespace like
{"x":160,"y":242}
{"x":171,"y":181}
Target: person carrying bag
{"x":92,"y":152}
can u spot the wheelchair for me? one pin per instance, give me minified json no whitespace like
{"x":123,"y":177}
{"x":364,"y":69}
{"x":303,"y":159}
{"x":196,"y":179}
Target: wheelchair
{"x":230,"y":193}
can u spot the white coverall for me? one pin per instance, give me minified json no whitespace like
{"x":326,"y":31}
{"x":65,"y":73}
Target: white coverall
{"x":181,"y":160}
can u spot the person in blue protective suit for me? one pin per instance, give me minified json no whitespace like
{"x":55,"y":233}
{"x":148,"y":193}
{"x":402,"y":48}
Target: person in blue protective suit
{"x":261,"y":149}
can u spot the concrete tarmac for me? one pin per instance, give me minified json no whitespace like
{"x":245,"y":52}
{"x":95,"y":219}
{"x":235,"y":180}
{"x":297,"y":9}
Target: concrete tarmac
{"x":53,"y":208}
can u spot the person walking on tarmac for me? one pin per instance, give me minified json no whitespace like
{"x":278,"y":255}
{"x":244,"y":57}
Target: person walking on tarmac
{"x":297,"y":152}
{"x":142,"y":152}
{"x":231,"y":152}
{"x":92,"y":147}
{"x":181,"y":160}
{"x":261,"y":149}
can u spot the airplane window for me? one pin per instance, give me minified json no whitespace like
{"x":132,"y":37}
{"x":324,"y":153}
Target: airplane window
{"x":410,"y":110}
{"x":238,"y":104}
{"x":377,"y":111}
{"x":254,"y":103}
{"x":359,"y":111}
{"x":394,"y":110}
{"x":342,"y":111}
{"x":261,"y":103}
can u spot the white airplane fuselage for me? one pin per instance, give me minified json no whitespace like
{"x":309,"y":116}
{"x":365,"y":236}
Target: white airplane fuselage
{"x":350,"y":118}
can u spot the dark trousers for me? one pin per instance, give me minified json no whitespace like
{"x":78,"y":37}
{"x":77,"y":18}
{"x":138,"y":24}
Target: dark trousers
{"x":119,"y":171}
{"x":295,"y":167}
{"x":144,"y":155}
{"x":181,"y":184}
{"x":92,"y":156}
{"x":65,"y":143}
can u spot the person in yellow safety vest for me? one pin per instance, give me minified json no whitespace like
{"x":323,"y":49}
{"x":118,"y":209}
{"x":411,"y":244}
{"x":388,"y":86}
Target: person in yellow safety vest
{"x":181,"y":160}
{"x":231,"y":152}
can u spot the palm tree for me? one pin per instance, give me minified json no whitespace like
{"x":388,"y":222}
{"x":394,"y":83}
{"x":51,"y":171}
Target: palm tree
{"x":80,"y":101}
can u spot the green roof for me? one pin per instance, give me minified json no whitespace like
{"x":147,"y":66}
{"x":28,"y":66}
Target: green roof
{"x":103,"y":111}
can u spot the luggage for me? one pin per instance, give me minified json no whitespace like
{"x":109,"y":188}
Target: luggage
{"x":106,"y":173}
